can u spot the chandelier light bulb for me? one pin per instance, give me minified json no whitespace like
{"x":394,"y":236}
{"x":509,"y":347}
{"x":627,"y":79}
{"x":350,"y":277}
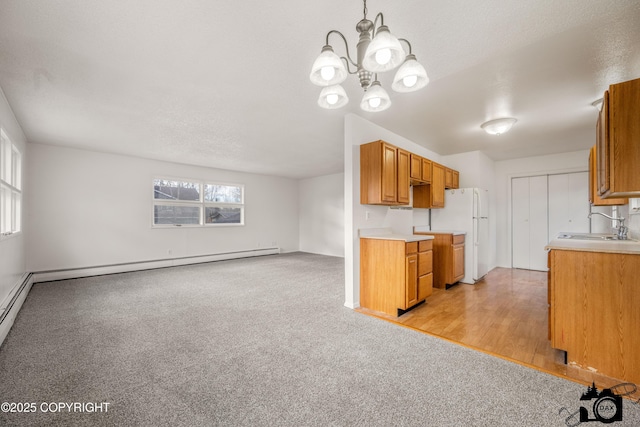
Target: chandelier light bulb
{"x":332,"y":97}
{"x":328,"y":69}
{"x":410,"y":77}
{"x":383,"y":56}
{"x":327,"y":73}
{"x":410,"y":81}
{"x":375,"y":98}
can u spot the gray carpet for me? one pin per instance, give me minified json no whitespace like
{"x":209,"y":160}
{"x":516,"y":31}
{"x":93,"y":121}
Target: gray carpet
{"x":257,"y":342}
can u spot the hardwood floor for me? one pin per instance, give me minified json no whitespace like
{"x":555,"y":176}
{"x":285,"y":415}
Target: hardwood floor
{"x":505,"y":314}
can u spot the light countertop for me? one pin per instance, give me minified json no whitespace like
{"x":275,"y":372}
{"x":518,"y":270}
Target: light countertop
{"x":388,"y":234}
{"x":425,"y":229}
{"x":610,"y":246}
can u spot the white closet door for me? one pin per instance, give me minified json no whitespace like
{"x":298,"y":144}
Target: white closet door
{"x":538,"y":222}
{"x":520,"y":222}
{"x":529,"y":222}
{"x":568,"y":203}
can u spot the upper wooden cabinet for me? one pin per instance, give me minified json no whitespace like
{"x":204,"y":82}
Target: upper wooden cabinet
{"x":420,"y":170}
{"x":384,"y":174}
{"x":388,"y":172}
{"x":618,"y":141}
{"x":594,"y":198}
{"x":451,"y":178}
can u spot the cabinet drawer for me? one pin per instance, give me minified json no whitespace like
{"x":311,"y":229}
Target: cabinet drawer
{"x":425,"y":286}
{"x":411,"y":248}
{"x":425,"y":245}
{"x":458,"y":239}
{"x":425,"y":263}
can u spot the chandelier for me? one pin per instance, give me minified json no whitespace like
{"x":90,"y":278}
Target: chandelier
{"x":382,"y":53}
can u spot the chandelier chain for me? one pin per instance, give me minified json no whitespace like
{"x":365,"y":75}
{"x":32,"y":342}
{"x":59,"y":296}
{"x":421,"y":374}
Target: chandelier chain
{"x":365,"y":9}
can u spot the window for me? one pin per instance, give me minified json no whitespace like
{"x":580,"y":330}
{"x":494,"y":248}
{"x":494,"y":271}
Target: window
{"x":194,"y":203}
{"x":10,"y":187}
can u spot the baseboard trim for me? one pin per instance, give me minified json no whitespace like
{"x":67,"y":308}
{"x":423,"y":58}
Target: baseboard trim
{"x":99,"y":270}
{"x":8,"y":316}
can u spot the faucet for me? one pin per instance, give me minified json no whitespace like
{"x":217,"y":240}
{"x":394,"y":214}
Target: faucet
{"x":622,"y":230}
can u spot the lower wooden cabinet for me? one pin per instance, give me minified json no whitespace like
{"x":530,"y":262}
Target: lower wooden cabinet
{"x":395,"y":275}
{"x":448,"y":258}
{"x":594,"y":311}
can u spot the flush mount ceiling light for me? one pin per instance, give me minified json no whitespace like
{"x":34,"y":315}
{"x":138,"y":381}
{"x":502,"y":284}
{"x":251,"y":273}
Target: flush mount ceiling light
{"x":379,"y":54}
{"x":498,"y":126}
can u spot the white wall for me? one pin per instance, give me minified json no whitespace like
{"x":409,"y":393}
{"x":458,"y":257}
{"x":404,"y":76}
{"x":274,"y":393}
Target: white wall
{"x":90,"y":209}
{"x":321,"y":214}
{"x":12,"y":249}
{"x":576,"y":161}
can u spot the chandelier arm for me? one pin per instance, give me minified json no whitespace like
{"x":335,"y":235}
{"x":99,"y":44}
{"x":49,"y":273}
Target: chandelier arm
{"x":346,"y":61}
{"x":408,"y":44}
{"x":381,"y":16}
{"x":346,"y":45}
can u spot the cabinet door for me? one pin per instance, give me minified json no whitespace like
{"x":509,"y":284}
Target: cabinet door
{"x":594,"y":197}
{"x":437,"y":185}
{"x":416,"y":167}
{"x":456,"y":179}
{"x":426,"y":170}
{"x":458,"y":262}
{"x":389,"y":173}
{"x":411,"y":277}
{"x":448,"y":178}
{"x":403,"y":177}
{"x":602,"y":143}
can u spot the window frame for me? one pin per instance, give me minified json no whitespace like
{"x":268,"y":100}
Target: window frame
{"x":10,"y":187}
{"x":201,"y":203}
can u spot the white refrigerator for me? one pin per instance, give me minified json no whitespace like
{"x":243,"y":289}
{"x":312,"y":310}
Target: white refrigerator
{"x":467,"y":209}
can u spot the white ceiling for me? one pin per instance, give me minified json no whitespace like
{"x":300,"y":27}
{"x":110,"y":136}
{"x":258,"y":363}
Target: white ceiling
{"x":225,"y":84}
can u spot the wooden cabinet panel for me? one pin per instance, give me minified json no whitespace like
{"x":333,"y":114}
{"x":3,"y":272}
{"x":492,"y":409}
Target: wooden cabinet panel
{"x":425,"y":262}
{"x":457,"y":268}
{"x":594,"y":311}
{"x":403,"y":177}
{"x":448,"y":178}
{"x":426,"y":170}
{"x":425,"y":286}
{"x":456,"y":179}
{"x":411,"y":281}
{"x":618,"y":141}
{"x":594,"y":197}
{"x":437,"y":185}
{"x":389,"y":173}
{"x":416,"y":167}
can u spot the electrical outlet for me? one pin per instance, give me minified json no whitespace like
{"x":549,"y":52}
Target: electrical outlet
{"x":367,"y":215}
{"x":274,"y":243}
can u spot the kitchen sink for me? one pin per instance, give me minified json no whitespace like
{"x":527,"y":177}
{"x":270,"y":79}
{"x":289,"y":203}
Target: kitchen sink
{"x":592,"y":236}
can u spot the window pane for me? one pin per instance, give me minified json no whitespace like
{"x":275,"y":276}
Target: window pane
{"x":223,"y":193}
{"x":223,"y":215}
{"x":176,"y":190}
{"x":167,"y":214}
